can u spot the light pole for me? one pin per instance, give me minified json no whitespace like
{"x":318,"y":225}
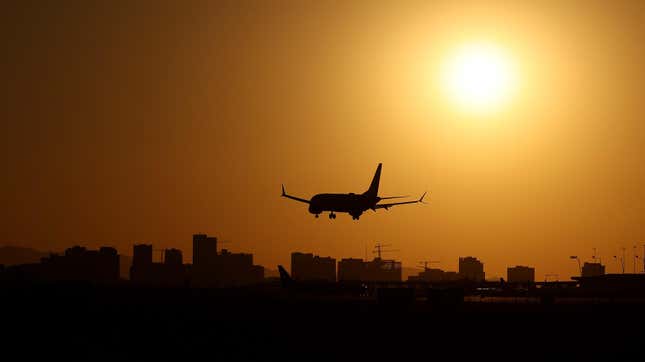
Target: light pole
{"x":578,"y":260}
{"x":616,"y":258}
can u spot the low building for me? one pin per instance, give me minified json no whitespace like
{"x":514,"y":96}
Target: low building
{"x":592,"y":269}
{"x":351,"y":270}
{"x":306,"y":266}
{"x":76,"y":264}
{"x":451,"y":276}
{"x":376,"y":270}
{"x":520,"y":274}
{"x":429,"y":275}
{"x":382,"y":270}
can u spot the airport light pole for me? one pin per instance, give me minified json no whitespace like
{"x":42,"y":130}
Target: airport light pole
{"x":622,"y":261}
{"x":616,"y":258}
{"x":578,"y":260}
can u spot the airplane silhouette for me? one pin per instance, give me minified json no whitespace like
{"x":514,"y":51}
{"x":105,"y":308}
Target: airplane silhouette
{"x":353,"y":204}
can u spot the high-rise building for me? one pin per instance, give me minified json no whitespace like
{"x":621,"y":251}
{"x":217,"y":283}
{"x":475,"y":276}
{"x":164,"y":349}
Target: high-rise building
{"x":204,"y":249}
{"x":142,"y":254}
{"x":211,"y":268}
{"x":520,"y":274}
{"x":471,"y":269}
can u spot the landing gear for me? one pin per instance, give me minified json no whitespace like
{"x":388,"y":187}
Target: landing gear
{"x":332,"y":215}
{"x":356,"y":216}
{"x":317,"y":215}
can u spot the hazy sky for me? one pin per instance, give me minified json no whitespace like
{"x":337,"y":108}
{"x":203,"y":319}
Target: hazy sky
{"x":125,"y":121}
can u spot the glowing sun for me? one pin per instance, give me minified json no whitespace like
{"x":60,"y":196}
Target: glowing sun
{"x":479,"y":77}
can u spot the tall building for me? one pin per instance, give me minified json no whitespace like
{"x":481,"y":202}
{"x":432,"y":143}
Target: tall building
{"x":592,"y":269}
{"x":142,"y":254}
{"x":312,"y":267}
{"x":520,"y":274}
{"x":471,"y":269}
{"x":211,"y":269}
{"x":204,"y":249}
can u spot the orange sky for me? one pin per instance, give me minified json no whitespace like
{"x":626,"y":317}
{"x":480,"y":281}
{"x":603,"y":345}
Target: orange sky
{"x":149,"y":122}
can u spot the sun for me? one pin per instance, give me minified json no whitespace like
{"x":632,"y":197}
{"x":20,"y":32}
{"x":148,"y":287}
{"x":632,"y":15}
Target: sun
{"x":479,"y":77}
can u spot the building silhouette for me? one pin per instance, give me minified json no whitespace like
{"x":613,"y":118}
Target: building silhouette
{"x":520,"y":274}
{"x":429,"y":275}
{"x":76,"y":264}
{"x":211,"y":268}
{"x":383,"y":270}
{"x":449,"y":276}
{"x":204,"y":249}
{"x":376,"y":270}
{"x":351,"y":270}
{"x":237,"y":269}
{"x":173,"y":257}
{"x":471,"y":269}
{"x":592,"y":269}
{"x":170,"y":272}
{"x":312,"y":267}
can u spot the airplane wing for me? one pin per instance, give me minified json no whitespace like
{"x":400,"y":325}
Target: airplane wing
{"x":387,"y":206}
{"x":284,"y":194}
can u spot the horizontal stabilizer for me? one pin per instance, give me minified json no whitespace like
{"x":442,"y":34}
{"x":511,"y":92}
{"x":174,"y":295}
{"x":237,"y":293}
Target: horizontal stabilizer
{"x":393,"y":197}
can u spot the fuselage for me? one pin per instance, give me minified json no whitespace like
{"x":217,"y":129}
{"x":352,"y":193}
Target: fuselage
{"x":354,"y":204}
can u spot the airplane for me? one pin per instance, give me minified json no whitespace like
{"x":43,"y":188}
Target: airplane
{"x":353,"y":204}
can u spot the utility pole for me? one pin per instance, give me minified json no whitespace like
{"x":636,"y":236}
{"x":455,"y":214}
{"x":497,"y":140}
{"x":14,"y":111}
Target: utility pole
{"x":617,"y":264}
{"x":379,"y":249}
{"x":426,"y":262}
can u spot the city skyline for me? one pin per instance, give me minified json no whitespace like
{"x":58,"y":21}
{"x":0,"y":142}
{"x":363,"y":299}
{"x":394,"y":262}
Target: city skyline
{"x":148,"y":121}
{"x":595,"y":261}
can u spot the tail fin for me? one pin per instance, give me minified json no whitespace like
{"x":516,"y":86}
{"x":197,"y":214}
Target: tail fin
{"x":285,"y":279}
{"x":373,"y":190}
